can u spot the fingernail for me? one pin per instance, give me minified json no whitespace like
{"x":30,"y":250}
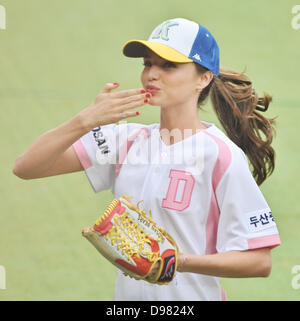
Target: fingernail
{"x":137,"y":113}
{"x":116,"y":83}
{"x":143,"y":91}
{"x":148,"y":95}
{"x":146,"y":100}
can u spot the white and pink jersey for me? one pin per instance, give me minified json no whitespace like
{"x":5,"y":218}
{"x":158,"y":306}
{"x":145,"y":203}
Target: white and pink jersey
{"x":199,"y":189}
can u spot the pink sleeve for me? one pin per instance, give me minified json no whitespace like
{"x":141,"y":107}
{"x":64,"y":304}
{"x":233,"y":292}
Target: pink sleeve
{"x":82,"y":155}
{"x":245,"y":219}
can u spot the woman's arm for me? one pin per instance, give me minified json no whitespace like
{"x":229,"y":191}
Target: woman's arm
{"x":52,"y":153}
{"x":233,"y":264}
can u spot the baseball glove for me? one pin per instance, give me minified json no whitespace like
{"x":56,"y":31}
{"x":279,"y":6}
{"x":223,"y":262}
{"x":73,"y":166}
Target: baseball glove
{"x":132,"y":242}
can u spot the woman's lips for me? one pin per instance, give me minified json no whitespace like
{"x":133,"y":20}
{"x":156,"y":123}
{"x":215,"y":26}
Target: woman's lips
{"x":152,"y":89}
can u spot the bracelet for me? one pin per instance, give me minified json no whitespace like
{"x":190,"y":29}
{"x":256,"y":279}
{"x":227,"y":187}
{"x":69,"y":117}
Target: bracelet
{"x":180,"y":266}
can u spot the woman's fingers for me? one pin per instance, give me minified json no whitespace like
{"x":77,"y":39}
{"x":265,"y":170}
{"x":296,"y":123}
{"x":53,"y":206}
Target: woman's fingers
{"x":121,"y":94}
{"x":110,"y":107}
{"x":139,"y":99}
{"x":131,"y":105}
{"x":129,"y":114}
{"x":109,"y":87}
{"x":125,"y":97}
{"x":128,"y":93}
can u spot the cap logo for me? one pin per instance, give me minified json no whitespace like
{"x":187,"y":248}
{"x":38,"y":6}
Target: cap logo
{"x":196,"y":56}
{"x":163,"y":30}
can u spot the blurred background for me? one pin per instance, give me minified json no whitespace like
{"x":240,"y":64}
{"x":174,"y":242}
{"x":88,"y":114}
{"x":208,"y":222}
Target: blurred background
{"x":55,"y":56}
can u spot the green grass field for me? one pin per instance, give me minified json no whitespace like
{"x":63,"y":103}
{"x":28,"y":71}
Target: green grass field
{"x":55,"y":57}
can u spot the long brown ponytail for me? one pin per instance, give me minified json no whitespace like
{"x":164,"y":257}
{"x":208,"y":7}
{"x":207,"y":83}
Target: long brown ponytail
{"x":238,"y":108}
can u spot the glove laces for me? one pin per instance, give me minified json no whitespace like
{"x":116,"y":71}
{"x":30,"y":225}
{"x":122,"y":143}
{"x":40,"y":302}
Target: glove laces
{"x":128,"y":236}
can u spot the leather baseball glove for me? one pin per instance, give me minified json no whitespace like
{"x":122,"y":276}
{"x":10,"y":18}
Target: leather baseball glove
{"x":134,"y":243}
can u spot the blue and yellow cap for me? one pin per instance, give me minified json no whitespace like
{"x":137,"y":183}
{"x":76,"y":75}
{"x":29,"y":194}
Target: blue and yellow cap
{"x":179,"y":40}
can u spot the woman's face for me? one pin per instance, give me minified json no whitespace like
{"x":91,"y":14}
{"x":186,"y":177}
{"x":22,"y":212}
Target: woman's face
{"x":170,"y":83}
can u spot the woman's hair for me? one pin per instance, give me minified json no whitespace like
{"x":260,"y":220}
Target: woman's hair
{"x":238,"y":107}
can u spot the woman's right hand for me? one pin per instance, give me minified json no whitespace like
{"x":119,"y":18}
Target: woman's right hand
{"x":52,"y":153}
{"x":111,"y":107}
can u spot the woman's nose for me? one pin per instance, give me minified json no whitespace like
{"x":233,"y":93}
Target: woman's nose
{"x":153,"y":72}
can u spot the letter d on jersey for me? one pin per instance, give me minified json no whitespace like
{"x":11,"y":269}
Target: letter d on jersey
{"x":176,"y":177}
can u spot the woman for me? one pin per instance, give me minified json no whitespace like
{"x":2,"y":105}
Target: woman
{"x":210,"y":201}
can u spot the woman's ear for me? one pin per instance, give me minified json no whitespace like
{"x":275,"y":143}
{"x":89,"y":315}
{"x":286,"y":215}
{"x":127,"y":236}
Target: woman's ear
{"x":204,"y":80}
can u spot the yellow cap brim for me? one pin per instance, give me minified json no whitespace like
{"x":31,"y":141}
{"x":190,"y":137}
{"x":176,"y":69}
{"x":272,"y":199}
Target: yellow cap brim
{"x":137,"y":48}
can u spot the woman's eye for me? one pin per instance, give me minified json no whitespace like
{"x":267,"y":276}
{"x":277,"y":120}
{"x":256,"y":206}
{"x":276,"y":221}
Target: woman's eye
{"x":165,"y":65}
{"x":147,"y":64}
{"x":169,"y":65}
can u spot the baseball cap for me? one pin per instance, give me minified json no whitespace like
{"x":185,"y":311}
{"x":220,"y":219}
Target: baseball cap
{"x":179,"y":40}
